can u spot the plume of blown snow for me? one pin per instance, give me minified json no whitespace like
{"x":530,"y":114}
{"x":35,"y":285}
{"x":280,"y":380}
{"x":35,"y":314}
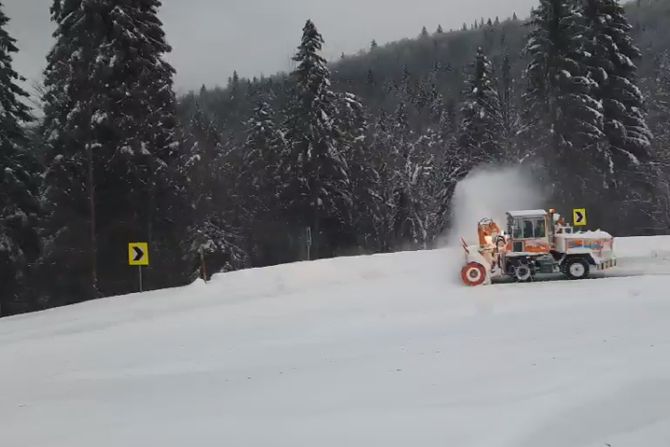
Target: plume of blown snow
{"x":490,"y":192}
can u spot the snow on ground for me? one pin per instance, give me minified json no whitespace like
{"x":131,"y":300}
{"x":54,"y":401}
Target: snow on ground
{"x":384,"y":350}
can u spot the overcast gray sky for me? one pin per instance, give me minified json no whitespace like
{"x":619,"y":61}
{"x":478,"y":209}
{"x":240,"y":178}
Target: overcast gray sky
{"x":211,"y":38}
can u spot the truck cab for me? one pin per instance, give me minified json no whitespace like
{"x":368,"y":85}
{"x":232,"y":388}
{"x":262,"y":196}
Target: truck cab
{"x":529,"y":232}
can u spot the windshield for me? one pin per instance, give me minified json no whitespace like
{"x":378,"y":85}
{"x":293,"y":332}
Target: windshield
{"x":529,"y":228}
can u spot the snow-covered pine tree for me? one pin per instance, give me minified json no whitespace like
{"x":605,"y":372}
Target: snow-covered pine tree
{"x":511,"y":120}
{"x":371,"y":82}
{"x":406,"y":172}
{"x":565,"y":120}
{"x":450,"y":164}
{"x":429,"y":183}
{"x":380,"y":138}
{"x":234,"y":85}
{"x":611,"y":59}
{"x":658,"y":90}
{"x":259,"y":182}
{"x":363,"y":172}
{"x":155,"y":102}
{"x":206,"y":168}
{"x":317,"y":188}
{"x":661,"y":108}
{"x":202,"y":164}
{"x":69,"y":227}
{"x":481,"y":130}
{"x":265,"y":145}
{"x":19,"y":243}
{"x":425,"y":94}
{"x":109,"y":124}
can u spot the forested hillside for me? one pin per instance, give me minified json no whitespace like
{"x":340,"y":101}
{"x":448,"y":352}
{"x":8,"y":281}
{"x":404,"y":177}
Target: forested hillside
{"x":415,"y":89}
{"x":360,"y":155}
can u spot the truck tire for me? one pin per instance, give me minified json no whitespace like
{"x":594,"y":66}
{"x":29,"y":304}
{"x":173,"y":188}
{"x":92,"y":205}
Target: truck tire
{"x":523,"y":272}
{"x":473,"y":274}
{"x":577,"y":268}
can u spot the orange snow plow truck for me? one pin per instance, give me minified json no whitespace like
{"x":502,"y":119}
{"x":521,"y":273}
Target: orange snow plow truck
{"x":536,"y":241}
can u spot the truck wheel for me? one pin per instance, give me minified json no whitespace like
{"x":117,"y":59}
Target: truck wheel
{"x":577,"y":268}
{"x":473,"y":274}
{"x":523,"y":272}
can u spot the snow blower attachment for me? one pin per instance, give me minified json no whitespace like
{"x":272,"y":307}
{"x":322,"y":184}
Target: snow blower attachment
{"x":536,"y":241}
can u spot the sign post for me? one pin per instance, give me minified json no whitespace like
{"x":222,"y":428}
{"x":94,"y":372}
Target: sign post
{"x":308,"y":241}
{"x":579,"y":217}
{"x":203,"y":266}
{"x":138,"y":255}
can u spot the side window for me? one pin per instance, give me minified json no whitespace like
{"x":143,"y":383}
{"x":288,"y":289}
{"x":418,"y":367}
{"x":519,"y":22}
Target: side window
{"x":518,"y":229}
{"x":540,"y":228}
{"x":528,"y":229}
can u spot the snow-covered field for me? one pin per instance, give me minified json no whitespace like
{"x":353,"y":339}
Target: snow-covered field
{"x":372,"y":351}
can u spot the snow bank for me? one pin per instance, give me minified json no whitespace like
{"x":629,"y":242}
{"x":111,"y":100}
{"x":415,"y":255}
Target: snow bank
{"x":490,"y":192}
{"x":644,"y":248}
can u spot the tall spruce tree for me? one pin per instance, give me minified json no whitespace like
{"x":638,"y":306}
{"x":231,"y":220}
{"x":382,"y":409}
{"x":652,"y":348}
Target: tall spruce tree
{"x":109,"y":124}
{"x":450,"y":164}
{"x":612,"y":56}
{"x":658,"y":89}
{"x":317,"y":188}
{"x":259,"y":182}
{"x":511,"y":120}
{"x":381,"y":139}
{"x":363,"y":172}
{"x":19,"y":244}
{"x":661,"y":108}
{"x":211,"y":238}
{"x":481,"y":132}
{"x":565,"y":118}
{"x":406,"y":172}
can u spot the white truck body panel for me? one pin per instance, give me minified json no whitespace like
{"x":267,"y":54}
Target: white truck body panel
{"x":598,"y":244}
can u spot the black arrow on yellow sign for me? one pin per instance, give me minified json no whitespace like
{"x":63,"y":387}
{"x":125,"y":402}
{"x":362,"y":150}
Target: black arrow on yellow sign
{"x":139,"y":254}
{"x":579,"y":217}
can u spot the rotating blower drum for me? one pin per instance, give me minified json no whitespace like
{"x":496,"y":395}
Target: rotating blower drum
{"x":473,"y":274}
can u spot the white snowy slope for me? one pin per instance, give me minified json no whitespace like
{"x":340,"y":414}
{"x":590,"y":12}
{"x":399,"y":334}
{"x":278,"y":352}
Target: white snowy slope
{"x":371,"y":351}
